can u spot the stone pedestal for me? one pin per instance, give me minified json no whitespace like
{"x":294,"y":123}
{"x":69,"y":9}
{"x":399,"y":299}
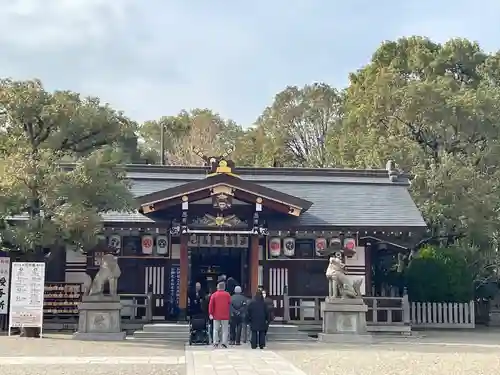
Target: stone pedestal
{"x":344,"y":320}
{"x":99,"y":319}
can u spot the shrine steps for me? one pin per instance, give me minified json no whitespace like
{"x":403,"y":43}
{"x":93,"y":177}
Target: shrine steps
{"x":179,"y":332}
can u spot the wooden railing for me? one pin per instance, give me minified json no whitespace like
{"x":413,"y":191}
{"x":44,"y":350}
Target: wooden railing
{"x":131,"y":303}
{"x":385,"y":311}
{"x":381,"y":310}
{"x":388,"y":310}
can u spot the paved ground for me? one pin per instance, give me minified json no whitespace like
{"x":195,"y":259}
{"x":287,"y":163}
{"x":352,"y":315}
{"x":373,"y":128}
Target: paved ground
{"x":443,"y":353}
{"x":237,"y":361}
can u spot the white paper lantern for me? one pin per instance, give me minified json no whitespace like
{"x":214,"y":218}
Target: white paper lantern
{"x":275,"y":247}
{"x":320,"y":246}
{"x":349,"y":246}
{"x":289,"y":246}
{"x":161,"y":245}
{"x":115,"y":242}
{"x":147,"y":243}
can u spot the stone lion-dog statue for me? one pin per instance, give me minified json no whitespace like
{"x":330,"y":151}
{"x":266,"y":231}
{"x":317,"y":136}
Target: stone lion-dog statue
{"x":339,"y":285}
{"x":109,"y":272}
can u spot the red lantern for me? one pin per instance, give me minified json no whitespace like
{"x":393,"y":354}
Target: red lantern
{"x":147,"y":244}
{"x":275,"y":247}
{"x":320,"y":246}
{"x":350,"y":247}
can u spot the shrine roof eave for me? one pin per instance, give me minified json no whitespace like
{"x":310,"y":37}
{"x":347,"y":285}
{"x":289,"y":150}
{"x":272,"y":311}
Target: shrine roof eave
{"x":223,"y":179}
{"x":363,"y":230}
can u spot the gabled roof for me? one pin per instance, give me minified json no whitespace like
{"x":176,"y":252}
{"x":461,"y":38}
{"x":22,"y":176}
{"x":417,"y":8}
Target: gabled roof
{"x":339,"y":197}
{"x":290,"y":203}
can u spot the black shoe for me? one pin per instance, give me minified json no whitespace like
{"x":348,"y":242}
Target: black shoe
{"x":238,"y":343}
{"x":261,"y":347}
{"x":216,"y":346}
{"x":224,"y":346}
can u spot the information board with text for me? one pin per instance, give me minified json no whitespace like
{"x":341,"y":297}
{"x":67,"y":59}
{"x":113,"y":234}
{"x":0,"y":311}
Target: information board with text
{"x":27,"y":291}
{"x":4,"y":284}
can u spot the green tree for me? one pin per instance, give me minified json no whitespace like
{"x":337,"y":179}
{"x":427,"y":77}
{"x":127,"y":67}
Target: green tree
{"x":58,"y":204}
{"x":451,"y":277}
{"x":434,"y":109}
{"x":199,"y":128}
{"x":297,"y":125}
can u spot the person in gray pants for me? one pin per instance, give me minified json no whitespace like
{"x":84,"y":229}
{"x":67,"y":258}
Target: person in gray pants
{"x":238,"y":316}
{"x":219,"y":313}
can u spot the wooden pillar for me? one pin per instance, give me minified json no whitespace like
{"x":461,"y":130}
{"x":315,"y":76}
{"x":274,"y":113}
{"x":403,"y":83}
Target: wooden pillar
{"x":368,"y":270}
{"x":254,"y":263}
{"x":184,"y":276}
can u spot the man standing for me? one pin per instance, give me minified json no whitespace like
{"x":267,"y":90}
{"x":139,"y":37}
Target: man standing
{"x":238,"y":312}
{"x":219,"y":312}
{"x":196,"y":299}
{"x":270,"y":307}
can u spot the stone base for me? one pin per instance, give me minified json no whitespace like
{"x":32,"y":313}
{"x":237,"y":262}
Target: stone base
{"x":342,"y":338}
{"x":344,"y":316}
{"x":99,"y":319}
{"x":494,"y":319}
{"x":120,"y":336}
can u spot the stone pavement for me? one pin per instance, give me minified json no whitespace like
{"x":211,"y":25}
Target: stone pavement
{"x":237,"y":361}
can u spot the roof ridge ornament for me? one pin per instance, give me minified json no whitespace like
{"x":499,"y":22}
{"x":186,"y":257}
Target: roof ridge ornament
{"x":217,"y":164}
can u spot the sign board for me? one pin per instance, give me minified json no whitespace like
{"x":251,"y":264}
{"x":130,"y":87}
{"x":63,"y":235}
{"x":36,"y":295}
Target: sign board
{"x":219,"y":240}
{"x":4,"y":285}
{"x":26,"y":296}
{"x":175,"y":275}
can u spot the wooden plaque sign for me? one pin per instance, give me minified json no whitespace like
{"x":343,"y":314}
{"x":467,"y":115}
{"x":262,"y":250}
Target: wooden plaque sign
{"x":219,"y":240}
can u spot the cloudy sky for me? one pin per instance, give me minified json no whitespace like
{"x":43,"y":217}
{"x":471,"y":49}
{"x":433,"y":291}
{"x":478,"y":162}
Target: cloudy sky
{"x":155,"y":57}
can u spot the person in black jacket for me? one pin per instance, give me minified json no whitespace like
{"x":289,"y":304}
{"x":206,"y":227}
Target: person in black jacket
{"x":196,"y":302}
{"x":258,"y":319}
{"x":270,"y":306}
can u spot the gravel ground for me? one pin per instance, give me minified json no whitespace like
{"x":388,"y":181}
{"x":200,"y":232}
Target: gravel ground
{"x":432,"y":353}
{"x":59,"y":345}
{"x":63,"y":345}
{"x":410,"y":358}
{"x":93,"y":369}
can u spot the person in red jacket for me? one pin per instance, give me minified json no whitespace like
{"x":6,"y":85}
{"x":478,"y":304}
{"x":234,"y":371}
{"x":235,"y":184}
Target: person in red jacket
{"x":219,"y":310}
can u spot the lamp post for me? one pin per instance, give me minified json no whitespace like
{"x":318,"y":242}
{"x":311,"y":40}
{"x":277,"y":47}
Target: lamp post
{"x":162,"y":143}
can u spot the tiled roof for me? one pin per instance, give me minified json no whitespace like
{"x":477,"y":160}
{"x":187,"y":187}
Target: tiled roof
{"x":341,"y":198}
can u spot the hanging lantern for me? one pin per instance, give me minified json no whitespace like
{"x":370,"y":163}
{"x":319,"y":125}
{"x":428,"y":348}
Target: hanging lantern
{"x":275,"y":247}
{"x":161,"y":245}
{"x":320,"y":246}
{"x":101,"y":239}
{"x":289,"y":246}
{"x":193,"y":240}
{"x":349,"y":246}
{"x":335,"y":244}
{"x":147,"y":244}
{"x":115,"y":242}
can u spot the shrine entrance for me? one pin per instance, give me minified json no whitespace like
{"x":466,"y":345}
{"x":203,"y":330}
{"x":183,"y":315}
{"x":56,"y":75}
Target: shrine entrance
{"x":213,"y":257}
{"x":207,"y":265}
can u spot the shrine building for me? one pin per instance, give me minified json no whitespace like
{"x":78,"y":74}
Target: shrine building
{"x":266,"y":227}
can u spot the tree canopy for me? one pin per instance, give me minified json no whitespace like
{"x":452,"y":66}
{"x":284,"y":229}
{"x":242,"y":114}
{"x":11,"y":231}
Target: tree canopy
{"x":39,"y":132}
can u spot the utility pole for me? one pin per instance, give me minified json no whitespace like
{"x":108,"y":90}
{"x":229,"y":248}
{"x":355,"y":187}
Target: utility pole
{"x":162,"y":143}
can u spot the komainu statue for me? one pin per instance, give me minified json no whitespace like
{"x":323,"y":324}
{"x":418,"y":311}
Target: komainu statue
{"x":109,"y":272}
{"x":339,"y":285}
